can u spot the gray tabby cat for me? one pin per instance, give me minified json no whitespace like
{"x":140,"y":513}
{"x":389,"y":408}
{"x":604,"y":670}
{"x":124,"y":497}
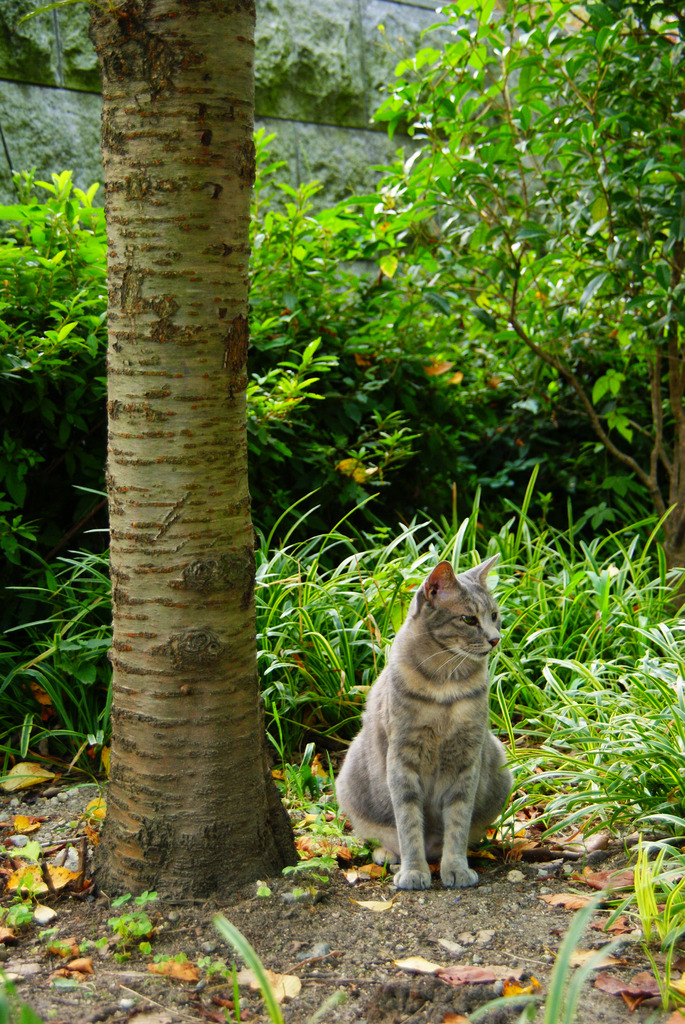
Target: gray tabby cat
{"x":425,"y":775}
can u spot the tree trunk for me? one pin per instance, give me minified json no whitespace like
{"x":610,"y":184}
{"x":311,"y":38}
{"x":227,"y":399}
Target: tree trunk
{"x":191,"y":806}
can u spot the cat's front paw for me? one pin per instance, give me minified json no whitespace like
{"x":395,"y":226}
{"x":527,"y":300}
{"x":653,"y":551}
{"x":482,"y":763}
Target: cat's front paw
{"x":413,"y":878}
{"x":458,"y":876}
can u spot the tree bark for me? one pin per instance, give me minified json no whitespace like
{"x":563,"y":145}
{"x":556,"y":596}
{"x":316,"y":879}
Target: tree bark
{"x":191,"y":806}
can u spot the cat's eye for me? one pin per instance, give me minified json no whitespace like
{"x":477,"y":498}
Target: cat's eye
{"x":494,"y":616}
{"x":470,"y":620}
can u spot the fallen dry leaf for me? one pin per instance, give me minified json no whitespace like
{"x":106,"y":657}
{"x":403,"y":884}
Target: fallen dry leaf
{"x":581,"y":956}
{"x":373,"y":870}
{"x":66,"y":972}
{"x":30,"y":877}
{"x":455,"y":1018}
{"x":83,"y":964}
{"x":378,"y":906}
{"x":177,"y":971}
{"x":64,"y":947}
{"x":621,"y":926}
{"x":285,"y":986}
{"x":41,"y":695}
{"x":7,"y":936}
{"x":512,"y":988}
{"x":642,"y":986}
{"x":25,"y":825}
{"x":676,"y":1018}
{"x":567,"y":900}
{"x":679,"y":985}
{"x":25,"y":774}
{"x":608,"y":879}
{"x":418,"y":965}
{"x":319,"y":846}
{"x":468,"y":974}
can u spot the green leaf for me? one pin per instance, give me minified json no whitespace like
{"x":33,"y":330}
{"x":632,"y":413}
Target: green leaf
{"x":438,"y":302}
{"x":485,"y":318}
{"x":590,"y":289}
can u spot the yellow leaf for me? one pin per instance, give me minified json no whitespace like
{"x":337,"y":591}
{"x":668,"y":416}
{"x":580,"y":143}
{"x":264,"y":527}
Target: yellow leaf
{"x":317,"y":768}
{"x":104,"y":759}
{"x":27,"y":877}
{"x":40,"y":694}
{"x":679,"y":985}
{"x":356,"y":469}
{"x":30,"y":877}
{"x":25,"y":774}
{"x":456,"y":378}
{"x":177,"y":971}
{"x":512,"y":988}
{"x":97,"y":808}
{"x":377,"y":906}
{"x":24,"y":826}
{"x":347,"y":466}
{"x":417,"y":965}
{"x":388,"y":265}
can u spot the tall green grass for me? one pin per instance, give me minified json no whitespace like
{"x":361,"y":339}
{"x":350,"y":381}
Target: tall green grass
{"x":587,"y":682}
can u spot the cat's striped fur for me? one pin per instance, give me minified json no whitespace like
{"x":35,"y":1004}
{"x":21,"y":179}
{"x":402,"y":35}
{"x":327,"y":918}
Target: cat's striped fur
{"x":425,"y":774}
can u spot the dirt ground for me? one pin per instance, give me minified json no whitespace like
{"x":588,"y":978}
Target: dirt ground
{"x":342,"y":952}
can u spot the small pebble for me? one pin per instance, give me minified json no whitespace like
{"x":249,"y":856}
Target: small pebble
{"x":320,"y":949}
{"x":173,"y":916}
{"x":515,"y":876}
{"x":50,"y":791}
{"x":14,"y":802}
{"x":126,"y":1004}
{"x":291,"y":897}
{"x":544,"y":891}
{"x":19,"y":841}
{"x":63,"y":796}
{"x":208,"y":947}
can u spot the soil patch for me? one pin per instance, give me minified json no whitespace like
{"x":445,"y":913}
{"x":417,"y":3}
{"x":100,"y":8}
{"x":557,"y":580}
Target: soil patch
{"x":343,"y":953}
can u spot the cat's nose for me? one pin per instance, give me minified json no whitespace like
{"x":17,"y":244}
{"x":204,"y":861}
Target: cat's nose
{"x":494,"y":641}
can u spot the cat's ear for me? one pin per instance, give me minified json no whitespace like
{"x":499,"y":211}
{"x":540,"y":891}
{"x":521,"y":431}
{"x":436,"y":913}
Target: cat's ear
{"x":440,"y":580}
{"x":479,"y":572}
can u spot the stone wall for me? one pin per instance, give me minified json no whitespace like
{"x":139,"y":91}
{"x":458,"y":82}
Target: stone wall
{"x":320,"y":69}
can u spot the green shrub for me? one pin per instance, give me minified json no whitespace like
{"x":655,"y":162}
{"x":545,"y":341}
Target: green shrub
{"x":543,"y":204}
{"x":52,"y":343}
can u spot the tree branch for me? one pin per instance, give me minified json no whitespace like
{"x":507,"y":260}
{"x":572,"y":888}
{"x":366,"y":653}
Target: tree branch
{"x":648,"y":480}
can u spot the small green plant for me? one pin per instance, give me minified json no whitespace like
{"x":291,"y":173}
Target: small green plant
{"x":19,"y":914}
{"x":135,"y":926}
{"x":312,"y":868}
